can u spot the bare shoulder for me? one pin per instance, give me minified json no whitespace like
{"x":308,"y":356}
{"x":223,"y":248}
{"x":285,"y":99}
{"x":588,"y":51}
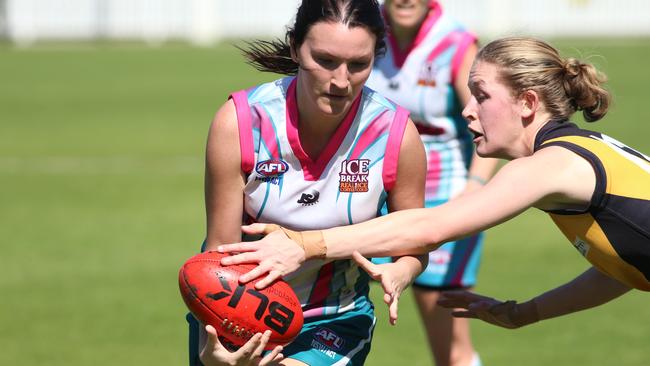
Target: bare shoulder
{"x":223,"y":138}
{"x":225,"y":120}
{"x":571,"y":177}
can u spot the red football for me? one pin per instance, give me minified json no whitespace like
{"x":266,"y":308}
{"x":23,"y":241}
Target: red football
{"x":237,"y":311}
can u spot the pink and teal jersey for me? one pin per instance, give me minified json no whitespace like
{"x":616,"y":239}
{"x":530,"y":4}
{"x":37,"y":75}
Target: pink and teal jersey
{"x":421,"y":79}
{"x":346,"y":184}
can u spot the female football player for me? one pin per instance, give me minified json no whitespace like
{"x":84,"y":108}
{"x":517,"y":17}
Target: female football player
{"x":314,"y":150}
{"x":595,"y":188}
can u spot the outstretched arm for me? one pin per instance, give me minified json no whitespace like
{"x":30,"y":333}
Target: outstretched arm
{"x":590,"y":289}
{"x":413,"y":231}
{"x":517,"y":186}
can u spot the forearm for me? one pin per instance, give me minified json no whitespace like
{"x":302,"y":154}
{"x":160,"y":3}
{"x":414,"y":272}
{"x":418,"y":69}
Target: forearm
{"x":398,"y":233}
{"x":590,"y":289}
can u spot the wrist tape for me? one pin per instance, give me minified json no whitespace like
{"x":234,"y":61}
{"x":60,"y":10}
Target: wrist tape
{"x":312,"y":242}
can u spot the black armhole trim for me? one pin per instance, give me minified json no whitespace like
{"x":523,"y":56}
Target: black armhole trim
{"x":599,"y":194}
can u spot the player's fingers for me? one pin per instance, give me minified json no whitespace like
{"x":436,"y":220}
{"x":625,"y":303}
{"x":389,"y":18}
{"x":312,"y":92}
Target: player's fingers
{"x":263,"y":341}
{"x":392,"y":310}
{"x":272,"y":357}
{"x":266,"y":281}
{"x":247,"y":257}
{"x":388,"y":298}
{"x":260,"y":229}
{"x":464,"y":314}
{"x":460,"y":298}
{"x":213,"y":339}
{"x":237,"y":247}
{"x":253,"y":273}
{"x":364,"y":263}
{"x":247,"y":350}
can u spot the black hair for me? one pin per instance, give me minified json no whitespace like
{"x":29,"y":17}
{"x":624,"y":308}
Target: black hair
{"x":275,"y":55}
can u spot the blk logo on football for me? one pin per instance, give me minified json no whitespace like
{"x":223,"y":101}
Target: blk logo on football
{"x":354,"y":175}
{"x":278,"y":317}
{"x":308,"y":199}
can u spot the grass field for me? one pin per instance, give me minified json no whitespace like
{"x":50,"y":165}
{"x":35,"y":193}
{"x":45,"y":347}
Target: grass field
{"x":101,"y":173}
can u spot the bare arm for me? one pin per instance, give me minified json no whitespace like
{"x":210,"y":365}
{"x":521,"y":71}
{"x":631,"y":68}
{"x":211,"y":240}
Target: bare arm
{"x":592,"y":288}
{"x":423,"y":230}
{"x":224,"y":187}
{"x":568,"y":180}
{"x":224,"y":180}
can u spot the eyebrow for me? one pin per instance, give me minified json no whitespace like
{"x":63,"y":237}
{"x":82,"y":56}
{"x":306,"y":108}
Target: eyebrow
{"x":324,"y":53}
{"x":473,"y":82}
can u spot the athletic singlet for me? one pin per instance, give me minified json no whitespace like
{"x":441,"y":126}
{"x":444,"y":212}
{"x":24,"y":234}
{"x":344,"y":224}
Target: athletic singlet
{"x":347,"y":184}
{"x":613,"y":234}
{"x":421,"y":79}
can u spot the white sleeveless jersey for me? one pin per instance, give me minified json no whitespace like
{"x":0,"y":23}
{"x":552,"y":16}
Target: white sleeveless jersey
{"x":347,"y":184}
{"x":421,"y":80}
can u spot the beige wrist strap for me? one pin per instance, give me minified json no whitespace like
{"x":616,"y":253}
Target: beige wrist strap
{"x":312,"y":242}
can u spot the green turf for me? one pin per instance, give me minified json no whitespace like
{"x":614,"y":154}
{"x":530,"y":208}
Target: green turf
{"x":101,"y":172}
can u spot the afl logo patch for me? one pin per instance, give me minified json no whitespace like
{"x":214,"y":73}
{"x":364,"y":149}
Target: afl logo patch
{"x":271,"y":168}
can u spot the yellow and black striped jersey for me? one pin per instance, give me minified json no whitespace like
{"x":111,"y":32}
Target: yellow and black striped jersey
{"x":613,"y":234}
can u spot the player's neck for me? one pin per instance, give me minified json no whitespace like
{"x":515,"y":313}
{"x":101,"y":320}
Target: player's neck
{"x":404,"y":36}
{"x":315,"y":128}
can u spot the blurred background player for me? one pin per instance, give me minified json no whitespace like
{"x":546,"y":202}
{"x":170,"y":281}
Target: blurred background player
{"x":310,"y":151}
{"x":425,"y":70}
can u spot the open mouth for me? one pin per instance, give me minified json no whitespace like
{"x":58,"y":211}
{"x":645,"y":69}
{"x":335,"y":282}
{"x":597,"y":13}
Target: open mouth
{"x":477,"y":135}
{"x":336,"y":97}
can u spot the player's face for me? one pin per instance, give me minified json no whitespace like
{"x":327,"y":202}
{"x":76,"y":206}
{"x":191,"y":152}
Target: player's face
{"x":493,"y":114}
{"x":406,"y":13}
{"x":335,"y":62}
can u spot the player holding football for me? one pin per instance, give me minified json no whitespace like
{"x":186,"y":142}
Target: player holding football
{"x":311,"y":151}
{"x":596,"y":189}
{"x":425,"y":70}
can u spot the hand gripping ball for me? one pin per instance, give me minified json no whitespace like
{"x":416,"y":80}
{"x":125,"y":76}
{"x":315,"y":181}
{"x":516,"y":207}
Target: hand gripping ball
{"x":237,"y":311}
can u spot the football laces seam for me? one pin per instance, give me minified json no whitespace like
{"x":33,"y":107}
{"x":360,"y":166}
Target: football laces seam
{"x":237,"y":331}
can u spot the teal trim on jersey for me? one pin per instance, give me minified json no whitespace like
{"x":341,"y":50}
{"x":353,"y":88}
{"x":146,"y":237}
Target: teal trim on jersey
{"x":266,"y":197}
{"x":252,"y":94}
{"x":382,"y":203}
{"x":350,"y":209}
{"x":257,"y":135}
{"x":381,"y":100}
{"x":275,"y":131}
{"x":266,"y":150}
{"x":376,"y":161}
{"x":277,"y":142}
